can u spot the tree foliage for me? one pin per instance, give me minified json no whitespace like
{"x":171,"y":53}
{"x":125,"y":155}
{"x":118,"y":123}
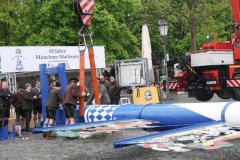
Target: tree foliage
{"x":116,"y":24}
{"x":187,"y":19}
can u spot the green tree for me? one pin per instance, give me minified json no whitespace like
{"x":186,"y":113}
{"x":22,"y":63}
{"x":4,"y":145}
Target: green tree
{"x":109,"y":28}
{"x":189,"y":23}
{"x":56,"y":24}
{"x":53,"y":22}
{"x":116,"y":24}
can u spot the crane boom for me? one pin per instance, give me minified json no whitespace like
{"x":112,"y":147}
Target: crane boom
{"x":235,"y":4}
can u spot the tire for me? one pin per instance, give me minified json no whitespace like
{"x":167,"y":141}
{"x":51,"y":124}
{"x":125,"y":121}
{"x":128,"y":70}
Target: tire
{"x":236,"y":94}
{"x":203,"y":94}
{"x":223,"y":94}
{"x":236,"y":91}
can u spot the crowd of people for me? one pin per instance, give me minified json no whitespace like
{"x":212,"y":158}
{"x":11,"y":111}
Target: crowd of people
{"x":27,"y":101}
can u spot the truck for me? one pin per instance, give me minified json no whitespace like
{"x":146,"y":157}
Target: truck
{"x":215,"y":69}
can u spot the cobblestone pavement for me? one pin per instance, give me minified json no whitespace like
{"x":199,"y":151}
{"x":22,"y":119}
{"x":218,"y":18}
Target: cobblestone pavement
{"x":100,"y":147}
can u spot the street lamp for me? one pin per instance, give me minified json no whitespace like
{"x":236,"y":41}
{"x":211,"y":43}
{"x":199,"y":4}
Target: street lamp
{"x":163,"y":29}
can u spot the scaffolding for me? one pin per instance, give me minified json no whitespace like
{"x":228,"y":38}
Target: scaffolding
{"x":11,"y":81}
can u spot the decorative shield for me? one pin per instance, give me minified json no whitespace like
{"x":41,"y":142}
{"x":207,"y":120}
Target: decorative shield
{"x":86,"y":9}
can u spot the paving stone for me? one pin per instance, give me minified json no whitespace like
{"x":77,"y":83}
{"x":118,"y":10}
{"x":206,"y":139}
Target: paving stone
{"x":100,"y":147}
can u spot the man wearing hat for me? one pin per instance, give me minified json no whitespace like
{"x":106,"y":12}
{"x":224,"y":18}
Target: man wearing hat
{"x":54,"y":99}
{"x":70,"y":100}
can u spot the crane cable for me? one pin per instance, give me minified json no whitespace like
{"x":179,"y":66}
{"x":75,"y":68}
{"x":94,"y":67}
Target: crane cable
{"x":84,"y":10}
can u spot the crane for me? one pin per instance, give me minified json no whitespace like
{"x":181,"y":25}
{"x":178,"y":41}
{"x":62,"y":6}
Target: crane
{"x":84,"y":10}
{"x":215,"y":69}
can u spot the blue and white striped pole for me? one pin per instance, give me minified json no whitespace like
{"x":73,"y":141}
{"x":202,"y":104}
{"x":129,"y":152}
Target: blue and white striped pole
{"x":168,"y":115}
{"x":165,"y":116}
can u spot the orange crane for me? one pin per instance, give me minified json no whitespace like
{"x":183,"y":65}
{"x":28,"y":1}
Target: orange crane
{"x":84,"y":10}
